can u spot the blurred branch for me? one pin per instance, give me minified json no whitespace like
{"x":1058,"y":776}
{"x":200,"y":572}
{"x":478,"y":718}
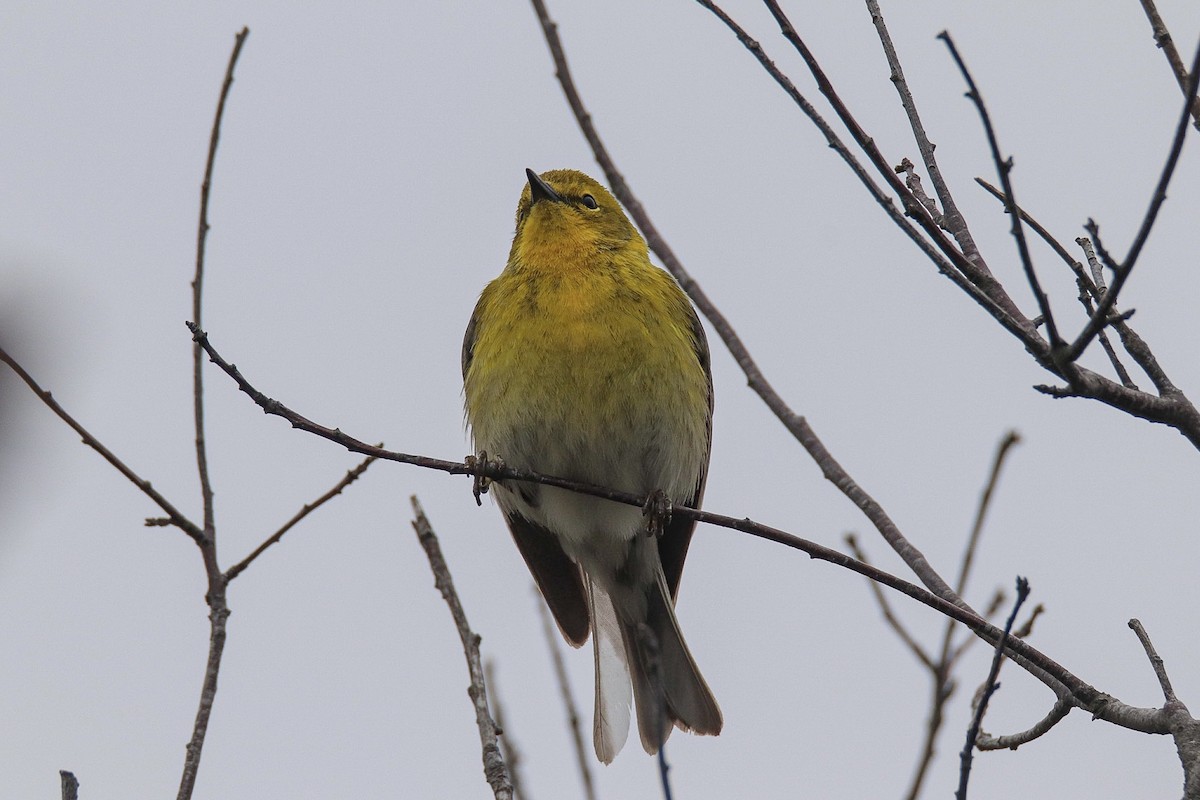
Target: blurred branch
{"x":70,"y":786}
{"x":568,"y":698}
{"x":349,"y":478}
{"x":1162,"y":38}
{"x":968,"y":751}
{"x":508,"y":747}
{"x":941,"y":671}
{"x":493,"y":761}
{"x":1006,"y":444}
{"x":885,"y":608}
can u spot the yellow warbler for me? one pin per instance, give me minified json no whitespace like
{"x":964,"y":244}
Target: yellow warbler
{"x":585,"y":361}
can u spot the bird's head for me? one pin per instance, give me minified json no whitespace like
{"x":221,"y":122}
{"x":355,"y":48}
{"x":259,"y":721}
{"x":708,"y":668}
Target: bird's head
{"x":566,"y":219}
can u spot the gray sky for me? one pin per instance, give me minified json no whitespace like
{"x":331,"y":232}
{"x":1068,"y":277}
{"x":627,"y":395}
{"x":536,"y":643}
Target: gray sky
{"x":370,"y":163}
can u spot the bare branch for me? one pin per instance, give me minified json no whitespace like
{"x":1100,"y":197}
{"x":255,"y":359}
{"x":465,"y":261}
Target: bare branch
{"x":568,"y":698}
{"x":493,"y":761}
{"x":1162,"y":38}
{"x":218,"y":609}
{"x":968,"y":751}
{"x":1160,"y":669}
{"x":1088,"y":288}
{"x":174,"y":516}
{"x":1004,"y":168}
{"x":993,"y":606}
{"x":1010,"y":439}
{"x":1059,"y":711}
{"x":1122,"y":270}
{"x":1184,"y":729}
{"x":198,"y":283}
{"x":349,"y":478}
{"x":952,"y":220}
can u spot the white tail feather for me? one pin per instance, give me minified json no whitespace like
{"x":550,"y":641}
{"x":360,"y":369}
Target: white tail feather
{"x":614,"y":691}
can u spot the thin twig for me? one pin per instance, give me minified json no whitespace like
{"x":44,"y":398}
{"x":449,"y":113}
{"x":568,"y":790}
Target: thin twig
{"x":493,"y":761}
{"x":942,"y":671}
{"x":1058,"y":712}
{"x":198,"y":282}
{"x":1173,"y":409}
{"x":1006,"y":444}
{"x":349,"y":478}
{"x":952,"y":219}
{"x":1183,"y":727}
{"x":1121,"y":271}
{"x":1089,"y":290}
{"x":998,"y":599}
{"x":1162,"y":37}
{"x":508,"y":746}
{"x":968,"y":751}
{"x":1160,"y":669}
{"x":174,"y":516}
{"x":1130,"y":340}
{"x":975,"y":278}
{"x":1004,"y":168}
{"x":218,"y":609}
{"x":568,"y":697}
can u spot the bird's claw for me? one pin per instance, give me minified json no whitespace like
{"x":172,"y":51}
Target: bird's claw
{"x":657,"y":512}
{"x":482,"y":483}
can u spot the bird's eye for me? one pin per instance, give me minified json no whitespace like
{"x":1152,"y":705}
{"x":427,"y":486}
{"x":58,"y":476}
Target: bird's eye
{"x":590,"y":202}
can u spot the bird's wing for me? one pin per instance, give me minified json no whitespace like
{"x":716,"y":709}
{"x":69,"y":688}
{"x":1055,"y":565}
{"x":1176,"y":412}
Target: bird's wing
{"x":673,"y":545}
{"x":558,"y":577}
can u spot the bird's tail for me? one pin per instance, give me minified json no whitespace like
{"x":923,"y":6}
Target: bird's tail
{"x":668,"y":689}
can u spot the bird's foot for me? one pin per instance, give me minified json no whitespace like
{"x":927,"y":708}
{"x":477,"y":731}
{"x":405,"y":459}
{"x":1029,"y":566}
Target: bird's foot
{"x":482,"y":482}
{"x":657,"y":512}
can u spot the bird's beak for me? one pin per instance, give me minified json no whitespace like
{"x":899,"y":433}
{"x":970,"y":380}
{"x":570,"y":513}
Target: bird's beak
{"x":540,"y":190}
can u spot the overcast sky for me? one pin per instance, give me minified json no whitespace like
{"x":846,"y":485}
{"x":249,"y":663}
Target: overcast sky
{"x":370,"y":163}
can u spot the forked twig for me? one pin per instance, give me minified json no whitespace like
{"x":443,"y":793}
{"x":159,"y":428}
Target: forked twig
{"x":1122,"y":270}
{"x":1162,"y":37}
{"x":218,"y":609}
{"x":1089,"y":290}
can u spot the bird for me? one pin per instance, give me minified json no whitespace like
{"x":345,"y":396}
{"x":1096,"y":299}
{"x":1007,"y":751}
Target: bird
{"x":585,"y":361}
